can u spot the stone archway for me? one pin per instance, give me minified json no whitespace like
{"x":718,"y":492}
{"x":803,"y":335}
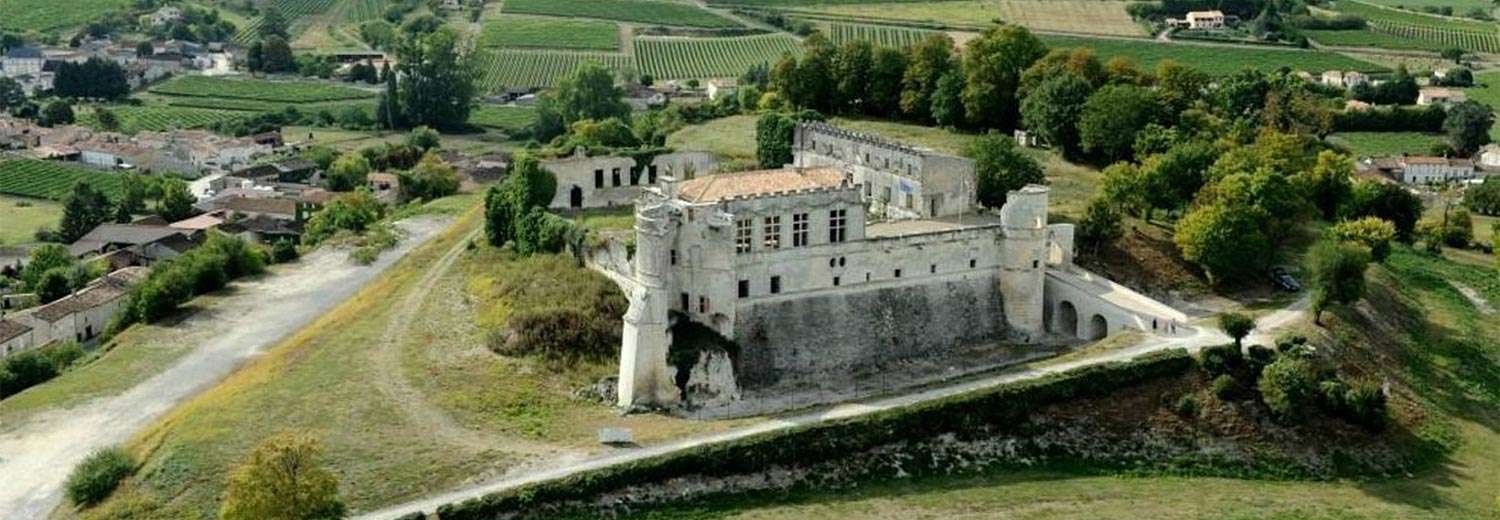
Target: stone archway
{"x":575,"y":197}
{"x":1067,"y":319}
{"x":1098,"y":328}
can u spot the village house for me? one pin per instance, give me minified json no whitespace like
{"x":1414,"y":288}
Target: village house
{"x":15,"y":337}
{"x":166,"y":15}
{"x":80,"y":316}
{"x":1489,"y":157}
{"x":1342,"y":79}
{"x":718,"y":88}
{"x":1440,"y":96}
{"x":22,"y":61}
{"x":1434,"y":170}
{"x":1200,"y":20}
{"x":144,"y":243}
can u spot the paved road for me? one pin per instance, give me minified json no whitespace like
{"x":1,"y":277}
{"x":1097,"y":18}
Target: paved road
{"x":36,"y":457}
{"x":1199,"y":338}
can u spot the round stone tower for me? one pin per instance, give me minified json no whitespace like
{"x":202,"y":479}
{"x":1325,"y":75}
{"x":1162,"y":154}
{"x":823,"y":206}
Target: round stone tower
{"x":645,"y":376}
{"x":1023,"y":261}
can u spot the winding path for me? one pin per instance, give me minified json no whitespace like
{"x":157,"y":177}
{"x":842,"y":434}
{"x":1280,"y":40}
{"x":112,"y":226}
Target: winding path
{"x":1202,"y":337}
{"x":35,"y":458}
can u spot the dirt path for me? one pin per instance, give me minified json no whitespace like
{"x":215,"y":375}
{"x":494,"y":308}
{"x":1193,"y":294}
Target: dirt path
{"x":393,"y":382}
{"x":1202,"y":337}
{"x":35,"y":458}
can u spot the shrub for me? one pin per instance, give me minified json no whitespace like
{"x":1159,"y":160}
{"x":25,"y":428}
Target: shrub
{"x":1331,"y":392}
{"x":1365,"y":404}
{"x":1220,"y":359}
{"x":1237,"y":326}
{"x":1187,"y":405}
{"x":283,"y":251}
{"x":27,"y":369}
{"x":64,"y":355}
{"x":1226,"y":388}
{"x":1287,"y":386}
{"x":561,"y":334}
{"x":97,"y":476}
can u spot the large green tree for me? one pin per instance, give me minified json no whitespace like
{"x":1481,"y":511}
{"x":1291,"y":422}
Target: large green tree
{"x":276,"y":55}
{"x":436,"y":80}
{"x":886,"y":73}
{"x":854,"y":71}
{"x":928,"y":62}
{"x":11,"y":94}
{"x":773,"y":139}
{"x":83,"y":210}
{"x":1052,"y":109}
{"x":1225,"y":239}
{"x":1467,"y":126}
{"x":1112,"y":117}
{"x":588,"y":93}
{"x":1000,"y":167}
{"x":283,"y":478}
{"x":176,"y":202}
{"x":992,"y":65}
{"x":1336,"y":274}
{"x":348,"y":172}
{"x":1386,"y":201}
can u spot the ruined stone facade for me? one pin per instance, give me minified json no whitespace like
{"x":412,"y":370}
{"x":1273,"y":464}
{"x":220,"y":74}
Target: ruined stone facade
{"x":604,"y":181}
{"x":784,"y":263}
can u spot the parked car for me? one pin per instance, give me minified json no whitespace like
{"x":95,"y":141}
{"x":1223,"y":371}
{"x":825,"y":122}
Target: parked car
{"x":1284,"y":280}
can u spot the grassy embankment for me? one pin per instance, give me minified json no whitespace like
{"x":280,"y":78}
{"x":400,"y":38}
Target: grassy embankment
{"x":1415,"y":329}
{"x":21,"y":216}
{"x":399,"y":386}
{"x":734,"y":138}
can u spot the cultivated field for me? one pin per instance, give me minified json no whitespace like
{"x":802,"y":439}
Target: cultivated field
{"x":672,"y":58}
{"x":362,"y":10}
{"x":292,"y":10}
{"x":1214,"y":59}
{"x":1397,"y":29}
{"x":880,"y":35}
{"x":158,"y":118}
{"x":508,"y":119}
{"x":50,"y":180}
{"x":20,"y":217}
{"x":1075,"y":16}
{"x":258,"y":90}
{"x":522,"y":68}
{"x":550,"y":33}
{"x":49,"y":15}
{"x":641,"y":11}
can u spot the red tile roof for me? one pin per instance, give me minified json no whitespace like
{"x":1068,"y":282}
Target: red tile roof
{"x":712,"y":188}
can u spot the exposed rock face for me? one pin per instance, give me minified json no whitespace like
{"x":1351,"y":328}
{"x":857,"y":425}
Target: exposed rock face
{"x":711,"y":382}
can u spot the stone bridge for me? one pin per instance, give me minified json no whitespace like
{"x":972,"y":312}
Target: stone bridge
{"x":1087,"y":306}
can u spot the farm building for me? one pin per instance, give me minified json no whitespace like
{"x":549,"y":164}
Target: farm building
{"x":80,"y":316}
{"x":1205,"y":19}
{"x":1440,"y":96}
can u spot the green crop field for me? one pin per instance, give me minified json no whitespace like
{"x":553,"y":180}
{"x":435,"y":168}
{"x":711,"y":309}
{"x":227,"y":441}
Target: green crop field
{"x":672,"y":58}
{"x":258,"y":90}
{"x":1398,"y":29}
{"x":1459,"y":6}
{"x":1374,"y":13}
{"x":640,"y":11}
{"x":159,"y":118}
{"x":521,"y":68}
{"x":1369,"y":38}
{"x":20,"y":217}
{"x":51,"y":180}
{"x":1073,"y":16}
{"x":1214,"y":59}
{"x":880,"y":35}
{"x":48,"y":15}
{"x":292,"y":10}
{"x":550,"y":33}
{"x":507,"y":119}
{"x":1377,"y":144}
{"x":362,"y":10}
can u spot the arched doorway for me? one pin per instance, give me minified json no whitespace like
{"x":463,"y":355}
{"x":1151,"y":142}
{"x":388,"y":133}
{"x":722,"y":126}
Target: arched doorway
{"x":1098,"y":328}
{"x":1067,"y":319}
{"x":575,"y":197}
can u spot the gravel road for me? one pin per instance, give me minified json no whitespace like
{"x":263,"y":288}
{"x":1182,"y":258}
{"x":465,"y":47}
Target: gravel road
{"x":35,"y":458}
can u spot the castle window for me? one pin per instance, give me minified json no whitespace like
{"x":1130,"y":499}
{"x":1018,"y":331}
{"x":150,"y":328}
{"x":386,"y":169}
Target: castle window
{"x":908,"y":200}
{"x":898,"y":273}
{"x":674,"y":257}
{"x":744,"y":288}
{"x":869,"y":189}
{"x":867,"y":277}
{"x":599,"y":178}
{"x":934,"y":269}
{"x":703,"y":304}
{"x":1035,"y":264}
{"x":775,"y":285}
{"x":651,"y":174}
{"x":837,"y":221}
{"x":772,"y":239}
{"x":744,"y":232}
{"x":614,"y":177}
{"x":835,"y":281}
{"x":635,"y":176}
{"x":799,"y":229}
{"x":971,"y":263}
{"x":685,"y":305}
{"x":832,"y":262}
{"x":842,"y":261}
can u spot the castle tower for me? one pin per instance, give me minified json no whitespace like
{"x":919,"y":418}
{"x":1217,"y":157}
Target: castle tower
{"x":645,"y":376}
{"x":1023,"y":261}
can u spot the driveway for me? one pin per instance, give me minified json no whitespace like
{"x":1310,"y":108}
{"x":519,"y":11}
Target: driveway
{"x":1197,"y":339}
{"x":36,"y":457}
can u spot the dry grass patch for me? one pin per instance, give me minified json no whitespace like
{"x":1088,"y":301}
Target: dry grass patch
{"x":1077,"y":16}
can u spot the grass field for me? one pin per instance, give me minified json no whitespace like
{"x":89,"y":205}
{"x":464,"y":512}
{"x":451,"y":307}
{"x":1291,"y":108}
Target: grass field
{"x":880,"y":35}
{"x":20,"y":217}
{"x":20,"y":16}
{"x":525,"y":68}
{"x":258,"y":90}
{"x":1487,"y":90}
{"x":1376,"y":144}
{"x":295,"y":12}
{"x":1459,"y":6}
{"x":1399,"y":29}
{"x":640,"y":11}
{"x":508,"y":119}
{"x":1075,"y":16}
{"x":1370,"y":38}
{"x":1214,"y":59}
{"x":550,"y":33}
{"x":51,"y":180}
{"x":674,"y":58}
{"x":135,"y":118}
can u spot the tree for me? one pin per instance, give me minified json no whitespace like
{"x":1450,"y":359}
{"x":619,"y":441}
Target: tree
{"x":589,"y":93}
{"x":535,"y":185}
{"x":1288,"y":386}
{"x":992,"y":65}
{"x":348,"y":172}
{"x":388,"y":111}
{"x":106,"y":119}
{"x":355,"y":211}
{"x":1124,"y":188}
{"x":436,"y":86}
{"x":1388,"y":202}
{"x":1111,"y":117}
{"x":176,"y":202}
{"x":432,"y":178}
{"x":83,"y":210}
{"x":57,"y":113}
{"x":1484,"y":199}
{"x":1100,"y":224}
{"x":1000,"y":166}
{"x":947,"y":100}
{"x":1225,"y":239}
{"x":424,"y":139}
{"x":1336,"y":274}
{"x":42,"y":259}
{"x":1236,"y":325}
{"x":853,"y":71}
{"x":1372,"y":232}
{"x":53,"y":285}
{"x":272,"y":23}
{"x":11,"y":94}
{"x":886,"y":73}
{"x":1079,"y":62}
{"x":773,"y":139}
{"x":499,"y":214}
{"x":1328,"y":183}
{"x":145,"y":49}
{"x":1452,"y":53}
{"x":255,"y":57}
{"x":1171,"y":179}
{"x":929,"y":61}
{"x":1052,"y":109}
{"x":282,"y":478}
{"x":1179,"y":86}
{"x":276,"y":55}
{"x":1467,"y":126}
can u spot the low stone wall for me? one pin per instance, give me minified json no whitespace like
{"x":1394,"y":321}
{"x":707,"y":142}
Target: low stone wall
{"x":861,"y":329}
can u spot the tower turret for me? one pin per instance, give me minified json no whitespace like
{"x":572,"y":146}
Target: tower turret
{"x":1023,"y":260}
{"x":645,"y":376}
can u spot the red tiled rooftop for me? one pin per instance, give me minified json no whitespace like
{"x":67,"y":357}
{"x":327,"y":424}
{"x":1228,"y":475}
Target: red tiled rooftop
{"x":712,"y":188}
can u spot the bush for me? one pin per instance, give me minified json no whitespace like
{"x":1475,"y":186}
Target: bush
{"x":1287,"y":386}
{"x":560,"y":333}
{"x":1226,"y":388}
{"x":1187,"y":405}
{"x":1365,"y":405}
{"x":27,"y":369}
{"x":283,"y":251}
{"x":171,"y":283}
{"x":1220,"y":359}
{"x":1331,"y":392}
{"x":64,"y":355}
{"x":97,"y":476}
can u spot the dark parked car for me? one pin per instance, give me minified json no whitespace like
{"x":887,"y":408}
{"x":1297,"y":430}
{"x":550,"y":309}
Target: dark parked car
{"x":1284,"y":280}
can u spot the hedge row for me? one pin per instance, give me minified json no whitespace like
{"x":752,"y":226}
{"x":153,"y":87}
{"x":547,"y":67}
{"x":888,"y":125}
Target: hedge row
{"x":1392,"y":119}
{"x":1003,"y":404}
